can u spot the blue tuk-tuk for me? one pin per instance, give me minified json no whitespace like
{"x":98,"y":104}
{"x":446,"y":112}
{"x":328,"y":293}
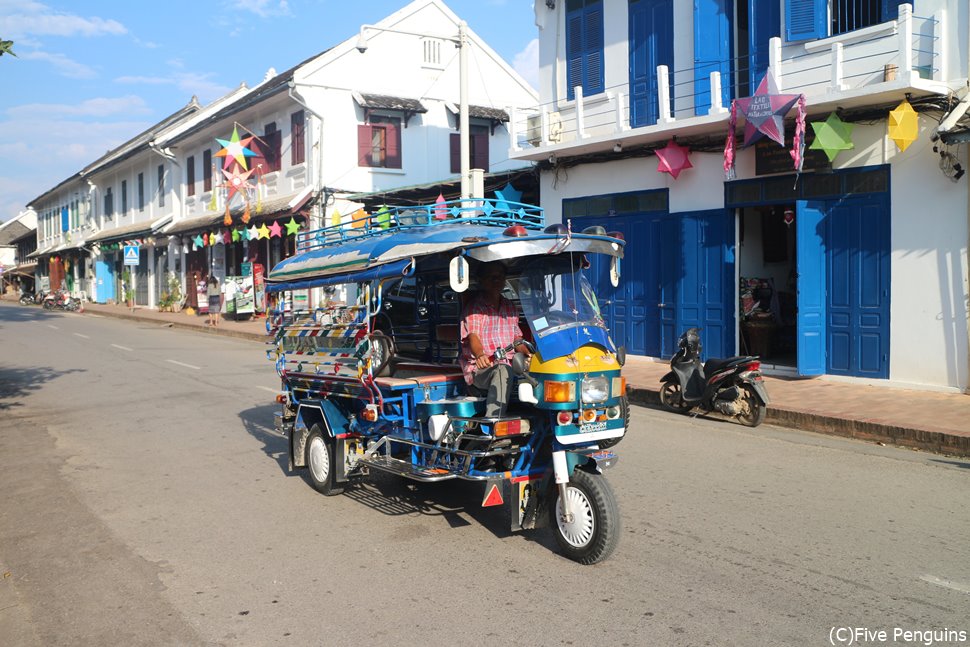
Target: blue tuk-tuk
{"x":370,"y":378}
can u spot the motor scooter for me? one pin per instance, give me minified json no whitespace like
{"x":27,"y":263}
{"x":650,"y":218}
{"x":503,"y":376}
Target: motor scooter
{"x":26,"y":298}
{"x":731,"y":386}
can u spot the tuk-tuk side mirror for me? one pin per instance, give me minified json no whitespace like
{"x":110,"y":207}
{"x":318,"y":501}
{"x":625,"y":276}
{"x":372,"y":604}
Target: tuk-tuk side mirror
{"x":614,"y":271}
{"x":459,"y":274}
{"x":621,"y":355}
{"x":520,"y":364}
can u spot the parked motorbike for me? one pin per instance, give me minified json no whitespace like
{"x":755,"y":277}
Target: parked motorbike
{"x":62,"y":301}
{"x":731,"y":386}
{"x":26,"y":299}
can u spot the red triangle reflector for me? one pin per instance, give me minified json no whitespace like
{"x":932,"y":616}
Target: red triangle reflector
{"x":493,"y":496}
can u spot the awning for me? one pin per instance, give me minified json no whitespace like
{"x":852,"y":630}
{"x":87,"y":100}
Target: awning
{"x":37,"y":253}
{"x":481,"y":112}
{"x":386,"y":102}
{"x":126,"y":231}
{"x":287,"y":205}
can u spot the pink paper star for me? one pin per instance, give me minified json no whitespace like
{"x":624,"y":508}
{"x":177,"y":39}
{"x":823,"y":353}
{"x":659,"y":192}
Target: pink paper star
{"x":765,"y":112}
{"x":237,"y":181}
{"x":673,"y":158}
{"x":275,"y":229}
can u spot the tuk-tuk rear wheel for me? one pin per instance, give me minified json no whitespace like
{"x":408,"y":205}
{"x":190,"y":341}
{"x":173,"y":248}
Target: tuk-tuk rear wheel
{"x":593,"y":532}
{"x":320,"y":463}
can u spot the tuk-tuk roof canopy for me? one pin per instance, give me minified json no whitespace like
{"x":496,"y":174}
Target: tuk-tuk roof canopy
{"x":390,"y":241}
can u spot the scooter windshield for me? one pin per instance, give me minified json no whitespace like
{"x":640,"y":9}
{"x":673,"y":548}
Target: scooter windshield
{"x":562,"y":311}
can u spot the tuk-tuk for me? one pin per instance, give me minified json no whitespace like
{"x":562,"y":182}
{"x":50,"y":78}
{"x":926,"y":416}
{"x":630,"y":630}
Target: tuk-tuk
{"x":371,"y":380}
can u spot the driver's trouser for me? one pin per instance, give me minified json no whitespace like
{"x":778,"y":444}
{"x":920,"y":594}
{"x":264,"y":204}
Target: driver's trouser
{"x":496,"y":382}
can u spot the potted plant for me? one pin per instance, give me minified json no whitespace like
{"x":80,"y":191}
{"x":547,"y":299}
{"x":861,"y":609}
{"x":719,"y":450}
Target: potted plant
{"x":128,"y":288}
{"x":175,"y":291}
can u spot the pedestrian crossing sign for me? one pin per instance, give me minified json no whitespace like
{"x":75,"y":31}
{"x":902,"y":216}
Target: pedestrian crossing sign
{"x":131,"y":254}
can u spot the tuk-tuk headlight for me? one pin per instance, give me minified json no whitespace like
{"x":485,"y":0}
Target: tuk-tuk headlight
{"x":595,"y":389}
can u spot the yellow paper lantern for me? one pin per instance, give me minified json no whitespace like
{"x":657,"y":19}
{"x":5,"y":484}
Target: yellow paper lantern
{"x":903,"y":125}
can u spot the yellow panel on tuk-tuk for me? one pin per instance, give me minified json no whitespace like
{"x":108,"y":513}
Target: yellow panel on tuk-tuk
{"x":586,"y":359}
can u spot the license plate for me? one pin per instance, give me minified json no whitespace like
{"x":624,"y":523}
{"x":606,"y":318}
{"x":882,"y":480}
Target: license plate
{"x":591,"y":427}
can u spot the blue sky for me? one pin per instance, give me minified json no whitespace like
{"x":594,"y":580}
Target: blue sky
{"x":91,"y":74}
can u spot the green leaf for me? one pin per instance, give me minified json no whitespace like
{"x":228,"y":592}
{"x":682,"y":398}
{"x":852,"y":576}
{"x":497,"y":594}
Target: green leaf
{"x":5,"y":47}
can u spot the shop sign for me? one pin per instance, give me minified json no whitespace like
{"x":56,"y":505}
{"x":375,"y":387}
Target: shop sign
{"x":770,"y":158}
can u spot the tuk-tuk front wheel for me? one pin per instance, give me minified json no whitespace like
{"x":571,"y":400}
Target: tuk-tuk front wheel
{"x":590,"y":533}
{"x":320,"y":462}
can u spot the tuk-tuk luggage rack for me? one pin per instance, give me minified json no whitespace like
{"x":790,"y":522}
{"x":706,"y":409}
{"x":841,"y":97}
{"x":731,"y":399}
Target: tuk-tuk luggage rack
{"x":432,"y":471}
{"x":481,"y":211}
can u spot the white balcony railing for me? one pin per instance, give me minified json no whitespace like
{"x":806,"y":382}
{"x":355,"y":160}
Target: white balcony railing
{"x":903,"y":53}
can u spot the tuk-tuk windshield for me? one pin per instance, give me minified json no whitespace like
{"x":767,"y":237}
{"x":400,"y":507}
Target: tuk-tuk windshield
{"x":561,"y":310}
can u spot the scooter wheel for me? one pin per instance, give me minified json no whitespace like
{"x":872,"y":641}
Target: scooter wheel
{"x":755,"y":409}
{"x":671,"y":399}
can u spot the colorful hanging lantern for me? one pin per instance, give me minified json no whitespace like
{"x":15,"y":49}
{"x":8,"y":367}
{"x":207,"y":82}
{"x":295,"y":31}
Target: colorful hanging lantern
{"x":235,"y":149}
{"x":673,"y":158}
{"x":789,"y":217}
{"x":292,"y":227}
{"x":263,"y":231}
{"x":764,"y":114}
{"x":440,"y":210}
{"x":903,"y":125}
{"x":383,"y":217}
{"x":253,"y":233}
{"x":275,"y":230}
{"x":832,"y":136}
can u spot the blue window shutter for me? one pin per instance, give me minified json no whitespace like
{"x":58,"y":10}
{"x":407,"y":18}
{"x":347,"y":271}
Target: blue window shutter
{"x":593,"y":37}
{"x":574,"y":51}
{"x":806,"y":19}
{"x":713,"y":29}
{"x":65,"y":219}
{"x":890,"y":9}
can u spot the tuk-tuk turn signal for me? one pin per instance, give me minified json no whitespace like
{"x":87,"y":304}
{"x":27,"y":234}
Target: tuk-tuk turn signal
{"x":554,"y":391}
{"x":511,"y":428}
{"x":369,"y":413}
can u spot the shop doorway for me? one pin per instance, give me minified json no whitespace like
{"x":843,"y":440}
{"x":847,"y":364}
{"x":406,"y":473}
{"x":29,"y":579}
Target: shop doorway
{"x":768,"y":283}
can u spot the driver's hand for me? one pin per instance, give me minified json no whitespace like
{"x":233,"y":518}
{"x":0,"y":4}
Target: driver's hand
{"x":483,"y":361}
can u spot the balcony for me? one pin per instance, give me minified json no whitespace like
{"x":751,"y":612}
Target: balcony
{"x":870,"y":66}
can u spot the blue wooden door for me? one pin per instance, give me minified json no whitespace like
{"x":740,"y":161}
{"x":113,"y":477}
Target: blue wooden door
{"x":810,"y":255}
{"x":104,"y":288}
{"x":857,"y":307}
{"x":764,"y":23}
{"x":713,"y":29}
{"x":651,"y":44}
{"x":678,"y":272}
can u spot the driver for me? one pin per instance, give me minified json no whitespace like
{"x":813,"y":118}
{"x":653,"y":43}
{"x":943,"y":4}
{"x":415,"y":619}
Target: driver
{"x":490,"y":322}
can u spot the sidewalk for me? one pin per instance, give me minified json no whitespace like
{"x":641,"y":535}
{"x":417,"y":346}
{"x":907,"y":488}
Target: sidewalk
{"x":932,"y":421}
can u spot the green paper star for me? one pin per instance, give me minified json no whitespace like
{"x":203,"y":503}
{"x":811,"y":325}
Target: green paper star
{"x":832,"y":136}
{"x":235,"y":235}
{"x":292,"y":227}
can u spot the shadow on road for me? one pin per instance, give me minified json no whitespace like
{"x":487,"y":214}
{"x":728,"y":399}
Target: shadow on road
{"x":455,"y":501}
{"x":16,"y":383}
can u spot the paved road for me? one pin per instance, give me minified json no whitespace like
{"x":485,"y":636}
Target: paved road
{"x":146,"y":502}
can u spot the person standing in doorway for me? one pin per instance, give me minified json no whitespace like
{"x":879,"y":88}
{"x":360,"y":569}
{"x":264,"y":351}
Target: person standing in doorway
{"x":214,"y":292}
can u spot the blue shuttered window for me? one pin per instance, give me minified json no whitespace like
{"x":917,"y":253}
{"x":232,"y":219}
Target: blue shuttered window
{"x":810,"y":19}
{"x":805,"y":19}
{"x":584,"y":47}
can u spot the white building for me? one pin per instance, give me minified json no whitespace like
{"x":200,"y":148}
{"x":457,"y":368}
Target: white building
{"x":343,"y":122}
{"x":870,"y":278}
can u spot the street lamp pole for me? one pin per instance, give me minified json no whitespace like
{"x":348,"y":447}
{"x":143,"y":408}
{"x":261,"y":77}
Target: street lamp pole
{"x":461,"y":42}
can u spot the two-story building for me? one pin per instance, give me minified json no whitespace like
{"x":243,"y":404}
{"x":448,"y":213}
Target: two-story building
{"x":213,"y":189}
{"x":855,"y":266}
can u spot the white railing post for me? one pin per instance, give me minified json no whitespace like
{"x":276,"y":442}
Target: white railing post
{"x":717,"y":107}
{"x":774,"y":62}
{"x":580,"y":124}
{"x":905,"y":26}
{"x":513,"y":129}
{"x":938,"y":50}
{"x":663,"y":95}
{"x":621,"y":123}
{"x":838,"y":60}
{"x":544,"y":127}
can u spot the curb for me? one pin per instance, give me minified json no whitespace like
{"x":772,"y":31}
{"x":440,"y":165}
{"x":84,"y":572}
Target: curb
{"x":238,"y":334}
{"x":938,"y":442}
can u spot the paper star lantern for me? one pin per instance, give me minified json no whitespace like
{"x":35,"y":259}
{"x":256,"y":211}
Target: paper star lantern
{"x":235,"y":149}
{"x":236,"y":181}
{"x":292,"y":227}
{"x":235,"y":235}
{"x":253,"y":233}
{"x":511,"y":194}
{"x":275,"y":230}
{"x":205,"y":239}
{"x":765,"y":112}
{"x":832,"y":136}
{"x":263,"y":231}
{"x":198,"y":242}
{"x":335,"y":218}
{"x":215,"y":238}
{"x":673,"y":158}
{"x":440,"y":210}
{"x":903,"y":125}
{"x":383,"y":217}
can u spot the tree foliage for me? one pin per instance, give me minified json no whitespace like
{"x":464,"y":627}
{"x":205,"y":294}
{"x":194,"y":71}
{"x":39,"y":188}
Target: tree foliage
{"x":6,"y":47}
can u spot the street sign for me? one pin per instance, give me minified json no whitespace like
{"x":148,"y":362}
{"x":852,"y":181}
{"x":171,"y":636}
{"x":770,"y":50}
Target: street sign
{"x":131,"y":254}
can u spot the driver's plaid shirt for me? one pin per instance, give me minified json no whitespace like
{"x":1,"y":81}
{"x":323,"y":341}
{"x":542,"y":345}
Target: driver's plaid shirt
{"x":495,"y":327}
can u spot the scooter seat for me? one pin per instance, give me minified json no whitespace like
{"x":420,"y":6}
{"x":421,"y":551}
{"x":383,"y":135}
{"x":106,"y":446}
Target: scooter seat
{"x":715,"y":364}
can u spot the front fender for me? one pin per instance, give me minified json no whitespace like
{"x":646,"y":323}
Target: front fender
{"x":669,"y":377}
